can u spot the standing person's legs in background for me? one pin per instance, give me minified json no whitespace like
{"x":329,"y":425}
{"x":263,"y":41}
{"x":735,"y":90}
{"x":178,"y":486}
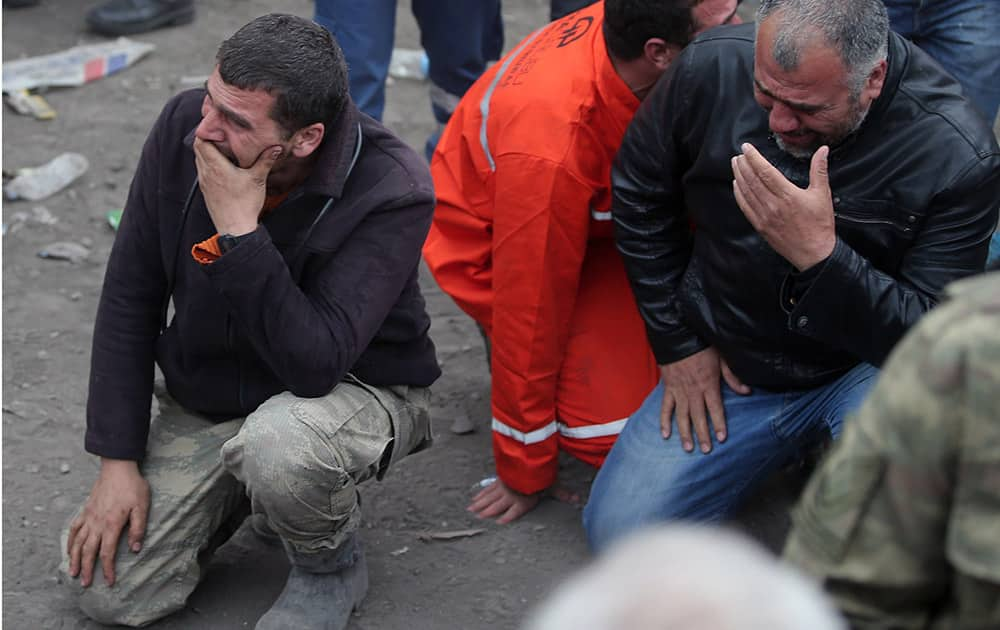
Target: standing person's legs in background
{"x":461,"y":37}
{"x":562,"y":8}
{"x":963,"y":36}
{"x":365,"y":32}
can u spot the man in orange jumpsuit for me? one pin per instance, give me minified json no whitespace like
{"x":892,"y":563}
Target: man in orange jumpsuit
{"x":522,"y":234}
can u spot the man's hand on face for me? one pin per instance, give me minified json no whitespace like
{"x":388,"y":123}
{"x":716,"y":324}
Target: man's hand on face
{"x":497,"y":500}
{"x":234,"y":195}
{"x":692,"y":393}
{"x":798,"y":223}
{"x":120,"y":496}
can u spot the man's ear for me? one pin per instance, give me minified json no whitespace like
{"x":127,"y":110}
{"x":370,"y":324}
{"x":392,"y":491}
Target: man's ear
{"x":306,"y":140}
{"x":659,"y":53}
{"x":874,"y":82}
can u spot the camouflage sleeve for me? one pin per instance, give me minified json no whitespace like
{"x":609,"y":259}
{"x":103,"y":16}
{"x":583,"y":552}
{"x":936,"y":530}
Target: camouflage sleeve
{"x":901,"y":522}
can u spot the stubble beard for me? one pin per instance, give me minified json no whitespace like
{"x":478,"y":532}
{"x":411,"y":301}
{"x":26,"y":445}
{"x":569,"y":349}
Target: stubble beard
{"x":853,"y":123}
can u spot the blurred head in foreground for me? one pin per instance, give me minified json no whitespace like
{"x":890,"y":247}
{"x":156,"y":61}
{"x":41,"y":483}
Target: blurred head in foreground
{"x":687,"y":578}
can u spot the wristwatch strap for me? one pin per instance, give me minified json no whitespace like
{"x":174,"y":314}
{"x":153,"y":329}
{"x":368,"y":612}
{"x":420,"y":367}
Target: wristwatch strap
{"x":228,"y":241}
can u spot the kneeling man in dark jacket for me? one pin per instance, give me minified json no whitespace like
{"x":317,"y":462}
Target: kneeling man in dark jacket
{"x":286,"y":228}
{"x":790,"y":199}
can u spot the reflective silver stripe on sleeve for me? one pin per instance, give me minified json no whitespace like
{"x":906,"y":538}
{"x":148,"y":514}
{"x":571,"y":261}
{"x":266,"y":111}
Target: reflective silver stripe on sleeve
{"x":539,"y":435}
{"x":600,"y":216}
{"x":484,"y":105}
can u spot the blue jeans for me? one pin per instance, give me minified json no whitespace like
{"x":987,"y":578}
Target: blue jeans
{"x":459,"y":36}
{"x":647,"y":479}
{"x":963,"y":36}
{"x":994,"y":255}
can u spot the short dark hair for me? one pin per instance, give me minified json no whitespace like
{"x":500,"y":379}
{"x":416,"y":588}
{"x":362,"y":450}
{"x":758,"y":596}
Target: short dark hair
{"x":629,"y":24}
{"x":292,"y":58}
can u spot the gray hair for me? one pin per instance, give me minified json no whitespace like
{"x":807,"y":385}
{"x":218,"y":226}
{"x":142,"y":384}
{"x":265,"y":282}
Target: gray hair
{"x":857,"y":29}
{"x":682,"y":576}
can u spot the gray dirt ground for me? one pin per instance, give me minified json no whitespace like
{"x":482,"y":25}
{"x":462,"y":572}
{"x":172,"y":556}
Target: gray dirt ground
{"x":486,"y":581}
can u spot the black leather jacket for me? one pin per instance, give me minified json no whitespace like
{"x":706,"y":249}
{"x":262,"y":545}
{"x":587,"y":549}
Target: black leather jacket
{"x":915,"y":192}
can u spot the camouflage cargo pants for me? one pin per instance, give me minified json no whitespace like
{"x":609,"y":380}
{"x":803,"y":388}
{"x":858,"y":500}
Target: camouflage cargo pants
{"x":294,"y":461}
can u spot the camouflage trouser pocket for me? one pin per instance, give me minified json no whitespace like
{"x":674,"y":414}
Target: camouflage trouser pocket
{"x":408,"y":411}
{"x":835,"y":501}
{"x":301,"y":459}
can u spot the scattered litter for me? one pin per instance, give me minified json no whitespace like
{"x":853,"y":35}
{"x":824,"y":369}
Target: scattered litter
{"x":40,"y":182}
{"x":75,"y":296}
{"x":114,"y":219}
{"x":64,"y":468}
{"x":462,"y":425}
{"x":12,"y":411}
{"x":65,"y":250}
{"x":399,"y":551}
{"x":450,"y":535}
{"x":74,"y":66}
{"x":38,"y":214}
{"x":41,"y":214}
{"x":28,"y":104}
{"x":408,"y":63}
{"x":489,"y":481}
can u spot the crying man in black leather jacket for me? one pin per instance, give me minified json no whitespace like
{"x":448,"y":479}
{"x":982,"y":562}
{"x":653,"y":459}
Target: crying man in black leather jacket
{"x":789,"y":200}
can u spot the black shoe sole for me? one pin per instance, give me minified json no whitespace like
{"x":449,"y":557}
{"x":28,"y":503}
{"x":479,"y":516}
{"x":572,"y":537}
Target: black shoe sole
{"x":175,"y":17}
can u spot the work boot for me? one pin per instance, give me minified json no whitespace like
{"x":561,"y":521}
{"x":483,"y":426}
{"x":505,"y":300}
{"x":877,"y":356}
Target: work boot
{"x":322,"y":589}
{"x":128,"y":17}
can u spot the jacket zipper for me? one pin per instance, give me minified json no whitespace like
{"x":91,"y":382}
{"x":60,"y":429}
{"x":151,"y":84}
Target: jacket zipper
{"x":871,"y":221}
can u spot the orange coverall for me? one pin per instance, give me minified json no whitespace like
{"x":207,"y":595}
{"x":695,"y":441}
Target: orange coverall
{"x":522,"y":240}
